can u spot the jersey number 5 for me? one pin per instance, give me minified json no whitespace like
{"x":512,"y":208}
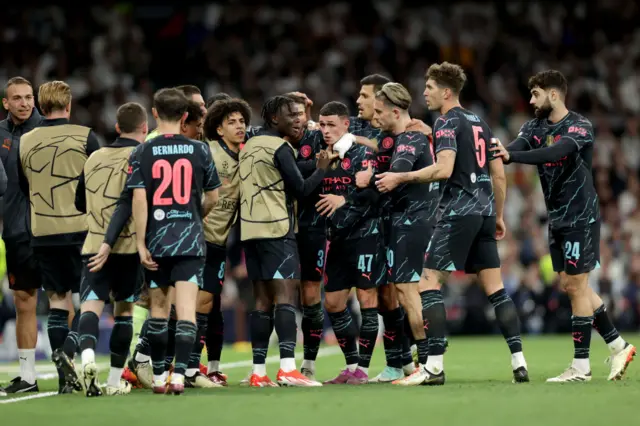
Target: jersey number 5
{"x":177,"y":176}
{"x":481,"y":155}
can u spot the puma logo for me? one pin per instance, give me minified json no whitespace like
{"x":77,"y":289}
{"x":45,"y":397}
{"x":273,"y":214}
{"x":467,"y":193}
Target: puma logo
{"x":367,"y":276}
{"x":537,"y":139}
{"x":364,"y":343}
{"x":573,"y":262}
{"x":391,"y":335}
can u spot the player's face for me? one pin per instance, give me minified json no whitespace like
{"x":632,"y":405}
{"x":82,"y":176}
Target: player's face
{"x":300,"y":110}
{"x":193,"y":129}
{"x":541,"y":103}
{"x":433,"y":95}
{"x":333,"y":128}
{"x":290,"y":121}
{"x":383,"y":116}
{"x":365,"y":102}
{"x":233,"y":128}
{"x":19,"y":101}
{"x":197,"y":98}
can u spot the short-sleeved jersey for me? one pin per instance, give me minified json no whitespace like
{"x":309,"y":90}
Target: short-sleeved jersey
{"x":568,"y":187}
{"x":468,"y":191}
{"x":308,"y":217}
{"x":174,"y":171}
{"x":358,"y":217}
{"x":419,"y":202}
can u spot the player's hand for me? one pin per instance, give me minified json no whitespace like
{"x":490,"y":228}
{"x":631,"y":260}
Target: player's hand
{"x":416,"y":125}
{"x":324,"y":160}
{"x":329,"y":203}
{"x":308,"y":103}
{"x":363,"y":178}
{"x":501,"y":229}
{"x":97,"y":262}
{"x":312,"y":125}
{"x":387,"y":182}
{"x":499,"y":150}
{"x":146,"y":259}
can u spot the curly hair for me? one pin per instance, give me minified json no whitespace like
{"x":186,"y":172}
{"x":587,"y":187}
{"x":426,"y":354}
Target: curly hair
{"x":447,"y":75}
{"x":272,"y":106}
{"x":219,"y":111}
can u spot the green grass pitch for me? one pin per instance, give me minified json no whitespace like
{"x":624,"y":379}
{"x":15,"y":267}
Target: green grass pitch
{"x":478,"y":392}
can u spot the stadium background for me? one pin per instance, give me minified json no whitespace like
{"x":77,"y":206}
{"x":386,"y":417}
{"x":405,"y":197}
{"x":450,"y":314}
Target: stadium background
{"x":112,"y":53}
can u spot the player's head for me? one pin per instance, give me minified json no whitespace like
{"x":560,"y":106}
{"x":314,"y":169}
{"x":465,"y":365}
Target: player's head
{"x":131,"y":121}
{"x":334,"y":121}
{"x":191,"y":126}
{"x":368,"y":88}
{"x":217,"y":97}
{"x":548,"y":90}
{"x":194,"y":94}
{"x":18,"y":98}
{"x":444,"y":82}
{"x":227,"y":120}
{"x":391,"y":103}
{"x":170,"y":105}
{"x":280,"y":113}
{"x":54,"y":97}
{"x":300,"y":105}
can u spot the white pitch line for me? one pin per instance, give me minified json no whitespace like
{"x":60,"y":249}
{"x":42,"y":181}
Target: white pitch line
{"x":324,"y":352}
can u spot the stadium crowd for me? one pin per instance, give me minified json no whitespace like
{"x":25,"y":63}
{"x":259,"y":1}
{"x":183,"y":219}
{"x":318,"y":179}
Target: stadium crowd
{"x":117,"y":54}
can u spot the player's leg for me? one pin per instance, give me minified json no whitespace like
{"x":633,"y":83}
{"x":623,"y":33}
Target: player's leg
{"x":261,"y":320}
{"x":94,"y":293}
{"x":187,"y":273}
{"x":340,"y":277}
{"x":140,"y":315}
{"x":158,"y":322}
{"x":24,"y":280}
{"x":171,"y":335}
{"x":71,"y":263}
{"x":484,"y":260}
{"x":215,"y":341}
{"x":204,"y":304}
{"x":312,"y":247}
{"x":393,"y":337}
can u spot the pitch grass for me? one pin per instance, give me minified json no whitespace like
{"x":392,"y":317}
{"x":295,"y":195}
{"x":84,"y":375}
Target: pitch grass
{"x":478,"y":392}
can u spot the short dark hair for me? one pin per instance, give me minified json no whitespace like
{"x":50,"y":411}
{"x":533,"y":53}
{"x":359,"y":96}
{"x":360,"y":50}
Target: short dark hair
{"x":549,"y":79}
{"x":217,"y":97}
{"x":13,"y":81}
{"x":297,"y":99}
{"x":194,"y":112}
{"x":447,"y":75}
{"x":130,"y":117}
{"x":395,"y":94}
{"x":272,"y":106}
{"x":376,"y":80}
{"x":219,"y":111}
{"x":189,"y":90}
{"x":334,"y":108}
{"x":170,"y":104}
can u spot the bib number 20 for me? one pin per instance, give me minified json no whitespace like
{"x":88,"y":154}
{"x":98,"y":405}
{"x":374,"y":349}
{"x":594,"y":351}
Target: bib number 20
{"x":178,"y":177}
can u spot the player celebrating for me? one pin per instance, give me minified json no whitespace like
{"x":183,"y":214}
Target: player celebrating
{"x":22,"y":270}
{"x":465,"y":235}
{"x":412,"y":210}
{"x":269,"y":180}
{"x":560,"y":143}
{"x":99,"y":188}
{"x":225,"y":127}
{"x":168,"y":176}
{"x":49,"y":177}
{"x":356,"y":258}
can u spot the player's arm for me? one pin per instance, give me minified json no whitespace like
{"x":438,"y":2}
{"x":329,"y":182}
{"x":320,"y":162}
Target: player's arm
{"x":523,"y":141}
{"x":3,"y":179}
{"x":565,"y":146}
{"x":499,"y":181}
{"x":371,"y":144}
{"x":370,"y":194}
{"x":80,"y":200}
{"x":23,"y":182}
{"x":308,"y":165}
{"x":140,"y":216}
{"x":408,"y":148}
{"x":120,"y":216}
{"x":211,"y":181}
{"x":446,"y":149}
{"x":92,"y":143}
{"x":293,"y":181}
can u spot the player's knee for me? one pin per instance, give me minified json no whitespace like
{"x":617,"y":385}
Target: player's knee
{"x":576,"y":285}
{"x":25,"y":301}
{"x":204,"y":303}
{"x":123,"y":309}
{"x":334,"y":302}
{"x":388,"y":297}
{"x":429,"y":280}
{"x":368,"y":298}
{"x":311,"y":293}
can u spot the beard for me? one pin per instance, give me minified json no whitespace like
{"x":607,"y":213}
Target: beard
{"x":544,"y":111}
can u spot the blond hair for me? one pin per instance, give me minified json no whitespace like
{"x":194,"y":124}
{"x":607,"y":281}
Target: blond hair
{"x":395,"y":94}
{"x":54,"y":96}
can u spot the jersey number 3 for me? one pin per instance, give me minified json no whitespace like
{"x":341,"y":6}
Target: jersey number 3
{"x":178,"y":177}
{"x":481,"y":155}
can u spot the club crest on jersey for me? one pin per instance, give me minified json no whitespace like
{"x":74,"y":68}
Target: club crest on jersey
{"x":346,"y":163}
{"x":6,"y":143}
{"x":387,"y":143}
{"x":551,"y":139}
{"x":305,"y":151}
